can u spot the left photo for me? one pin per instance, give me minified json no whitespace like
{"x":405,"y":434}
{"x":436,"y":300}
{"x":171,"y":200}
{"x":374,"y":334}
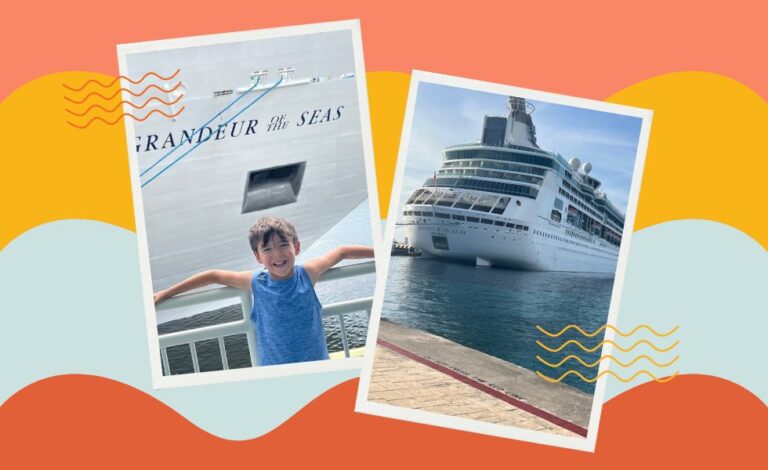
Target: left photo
{"x":254,"y":191}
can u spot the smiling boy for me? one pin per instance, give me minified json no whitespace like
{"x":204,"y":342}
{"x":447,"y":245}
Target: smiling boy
{"x":286,"y":310}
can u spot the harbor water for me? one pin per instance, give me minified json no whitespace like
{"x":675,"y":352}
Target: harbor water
{"x":496,"y":311}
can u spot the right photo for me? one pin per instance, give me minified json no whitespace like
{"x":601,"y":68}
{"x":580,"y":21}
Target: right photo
{"x":508,"y":228}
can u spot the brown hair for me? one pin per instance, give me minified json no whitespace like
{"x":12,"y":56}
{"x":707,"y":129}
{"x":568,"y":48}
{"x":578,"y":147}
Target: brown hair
{"x":267,"y":227}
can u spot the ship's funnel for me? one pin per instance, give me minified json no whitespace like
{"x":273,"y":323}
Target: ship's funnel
{"x":520,"y":129}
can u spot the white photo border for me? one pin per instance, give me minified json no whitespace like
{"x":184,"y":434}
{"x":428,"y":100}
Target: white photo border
{"x":160,"y":381}
{"x":420,"y":416}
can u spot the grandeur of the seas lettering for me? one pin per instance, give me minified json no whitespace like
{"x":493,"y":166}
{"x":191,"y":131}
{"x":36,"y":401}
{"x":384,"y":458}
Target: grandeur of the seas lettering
{"x":234,"y":129}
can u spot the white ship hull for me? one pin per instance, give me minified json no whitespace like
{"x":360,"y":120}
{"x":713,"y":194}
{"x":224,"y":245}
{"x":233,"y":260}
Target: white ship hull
{"x":198,"y":212}
{"x":531,"y":250}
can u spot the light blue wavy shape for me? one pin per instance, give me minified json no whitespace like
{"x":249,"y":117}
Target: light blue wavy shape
{"x":71,"y":299}
{"x":71,"y":303}
{"x":710,"y":279}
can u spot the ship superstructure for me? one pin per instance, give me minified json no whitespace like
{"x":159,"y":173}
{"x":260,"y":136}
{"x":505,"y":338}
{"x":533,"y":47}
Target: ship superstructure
{"x":506,"y":202}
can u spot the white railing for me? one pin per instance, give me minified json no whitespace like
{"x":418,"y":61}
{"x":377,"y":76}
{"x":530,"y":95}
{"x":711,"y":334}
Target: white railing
{"x":243,"y":326}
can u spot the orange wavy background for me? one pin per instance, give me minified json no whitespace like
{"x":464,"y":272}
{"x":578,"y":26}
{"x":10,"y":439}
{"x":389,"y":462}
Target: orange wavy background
{"x":694,"y":421}
{"x":588,"y":48}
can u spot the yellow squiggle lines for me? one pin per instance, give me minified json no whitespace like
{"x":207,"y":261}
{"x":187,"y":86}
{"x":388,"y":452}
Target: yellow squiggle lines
{"x":608,"y":341}
{"x":585,"y":379}
{"x":606,"y":357}
{"x":597,"y":331}
{"x":617,"y":361}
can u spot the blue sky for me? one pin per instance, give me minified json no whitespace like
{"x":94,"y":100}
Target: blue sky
{"x":446,"y":115}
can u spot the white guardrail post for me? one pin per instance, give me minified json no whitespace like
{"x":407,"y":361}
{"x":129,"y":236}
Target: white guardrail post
{"x":243,"y":326}
{"x":246,"y":301}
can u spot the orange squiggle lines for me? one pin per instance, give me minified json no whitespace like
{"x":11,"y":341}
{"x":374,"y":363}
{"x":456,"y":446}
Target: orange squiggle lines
{"x":154,"y":98}
{"x":99,"y":118}
{"x":123,"y":89}
{"x":143,"y":77}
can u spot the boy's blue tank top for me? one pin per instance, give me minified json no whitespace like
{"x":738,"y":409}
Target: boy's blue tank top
{"x":288,"y":319}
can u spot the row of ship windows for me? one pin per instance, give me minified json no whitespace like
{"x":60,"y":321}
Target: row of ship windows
{"x":606,"y":212}
{"x":449,"y":198}
{"x":576,"y":235}
{"x":583,"y":221}
{"x":586,"y":193}
{"x":484,"y":185}
{"x":579,"y":203}
{"x":511,"y":146}
{"x":588,"y":254}
{"x":565,"y":240}
{"x":493,"y":174}
{"x":495,"y":166}
{"x":546,"y":161}
{"x":556,"y":237}
{"x":442,"y":215}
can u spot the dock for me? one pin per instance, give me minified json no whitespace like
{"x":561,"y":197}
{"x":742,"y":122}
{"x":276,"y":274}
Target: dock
{"x":419,"y":370}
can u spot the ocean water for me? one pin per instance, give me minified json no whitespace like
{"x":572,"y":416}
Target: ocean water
{"x":354,"y":229}
{"x":496,"y":310}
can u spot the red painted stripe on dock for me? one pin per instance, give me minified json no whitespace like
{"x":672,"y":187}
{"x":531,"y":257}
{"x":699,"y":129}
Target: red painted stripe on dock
{"x":556,"y":420}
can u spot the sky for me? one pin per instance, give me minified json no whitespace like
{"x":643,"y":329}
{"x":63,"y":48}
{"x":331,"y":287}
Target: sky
{"x":447,"y":115}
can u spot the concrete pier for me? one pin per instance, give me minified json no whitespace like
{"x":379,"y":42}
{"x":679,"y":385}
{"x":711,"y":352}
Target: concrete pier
{"x":416,"y":369}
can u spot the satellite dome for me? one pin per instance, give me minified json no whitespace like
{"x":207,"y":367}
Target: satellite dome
{"x":587,"y":168}
{"x":575,"y":163}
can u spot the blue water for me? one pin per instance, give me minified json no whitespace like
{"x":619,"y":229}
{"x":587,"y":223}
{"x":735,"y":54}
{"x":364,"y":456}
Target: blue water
{"x":354,"y":229}
{"x":496,"y":310}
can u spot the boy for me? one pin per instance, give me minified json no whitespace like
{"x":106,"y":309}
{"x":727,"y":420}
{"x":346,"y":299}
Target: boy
{"x":286,"y":310}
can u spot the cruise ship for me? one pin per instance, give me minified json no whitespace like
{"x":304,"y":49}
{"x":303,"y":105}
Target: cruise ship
{"x":506,"y":202}
{"x":291,"y":146}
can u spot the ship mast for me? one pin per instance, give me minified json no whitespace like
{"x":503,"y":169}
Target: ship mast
{"x":520,"y":129}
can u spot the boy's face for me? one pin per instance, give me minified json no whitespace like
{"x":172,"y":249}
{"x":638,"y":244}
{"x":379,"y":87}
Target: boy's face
{"x":278,"y":256}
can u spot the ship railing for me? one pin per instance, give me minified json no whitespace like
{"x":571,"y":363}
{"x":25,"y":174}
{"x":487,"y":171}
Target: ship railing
{"x":244,"y":326}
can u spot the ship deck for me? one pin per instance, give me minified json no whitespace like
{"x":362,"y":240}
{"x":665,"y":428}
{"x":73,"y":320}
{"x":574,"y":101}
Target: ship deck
{"x":418,"y":370}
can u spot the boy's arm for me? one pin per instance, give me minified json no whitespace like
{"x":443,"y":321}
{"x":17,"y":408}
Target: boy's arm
{"x":239,"y":280}
{"x":316,"y":267}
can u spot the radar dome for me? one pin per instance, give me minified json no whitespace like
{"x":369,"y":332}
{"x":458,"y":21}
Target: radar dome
{"x":575,"y":163}
{"x":587,"y":168}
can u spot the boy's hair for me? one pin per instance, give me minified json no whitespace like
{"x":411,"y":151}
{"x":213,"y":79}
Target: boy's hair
{"x":267,"y":227}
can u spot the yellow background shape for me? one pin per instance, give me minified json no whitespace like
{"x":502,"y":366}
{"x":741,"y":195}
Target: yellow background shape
{"x":51,"y":170}
{"x":706,"y":157}
{"x":708,"y":152}
{"x":387,"y":96}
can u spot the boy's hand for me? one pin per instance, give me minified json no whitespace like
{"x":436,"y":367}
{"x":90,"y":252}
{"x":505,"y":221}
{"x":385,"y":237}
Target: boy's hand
{"x":160,"y":296}
{"x":316,"y":267}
